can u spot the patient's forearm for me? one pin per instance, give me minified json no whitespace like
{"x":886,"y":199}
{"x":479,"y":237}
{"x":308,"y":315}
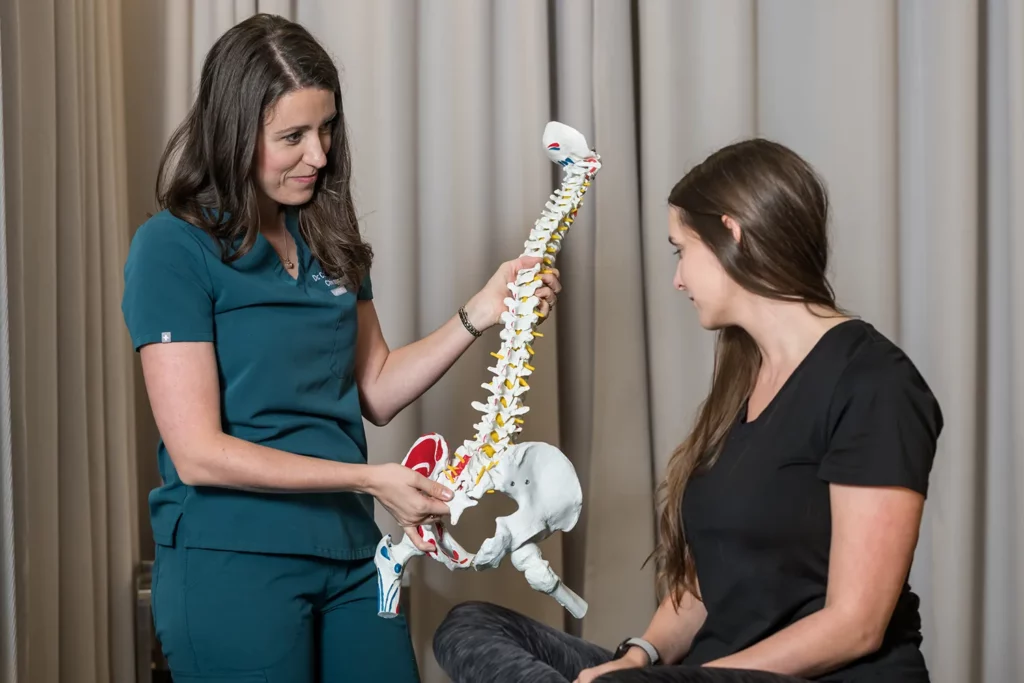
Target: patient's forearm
{"x":671,"y":630}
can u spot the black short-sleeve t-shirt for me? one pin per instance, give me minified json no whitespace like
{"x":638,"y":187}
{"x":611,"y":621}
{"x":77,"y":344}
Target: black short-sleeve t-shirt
{"x":855,"y":411}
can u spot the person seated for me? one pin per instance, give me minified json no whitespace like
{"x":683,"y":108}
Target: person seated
{"x":792,"y":509}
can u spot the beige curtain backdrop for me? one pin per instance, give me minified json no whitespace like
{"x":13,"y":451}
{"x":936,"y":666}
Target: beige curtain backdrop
{"x":913,"y":110}
{"x":72,"y":429}
{"x":8,"y":600}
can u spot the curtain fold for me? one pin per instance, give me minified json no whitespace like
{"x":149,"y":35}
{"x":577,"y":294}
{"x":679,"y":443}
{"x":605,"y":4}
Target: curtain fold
{"x":572,"y":40}
{"x":697,"y":92}
{"x":1002,"y":595}
{"x":940,"y":317}
{"x":840,"y":114}
{"x":619,"y":531}
{"x":8,"y":568}
{"x":76,"y":522}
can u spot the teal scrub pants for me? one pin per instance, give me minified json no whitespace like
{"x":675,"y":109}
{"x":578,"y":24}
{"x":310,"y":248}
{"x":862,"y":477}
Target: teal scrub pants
{"x":224,"y":616}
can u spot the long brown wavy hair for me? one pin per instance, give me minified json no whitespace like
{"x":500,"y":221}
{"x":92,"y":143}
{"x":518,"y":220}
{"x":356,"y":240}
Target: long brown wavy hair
{"x":782,"y":208}
{"x":206,"y":171}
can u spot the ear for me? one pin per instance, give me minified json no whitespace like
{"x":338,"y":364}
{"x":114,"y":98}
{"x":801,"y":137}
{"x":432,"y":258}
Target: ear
{"x":732,"y":226}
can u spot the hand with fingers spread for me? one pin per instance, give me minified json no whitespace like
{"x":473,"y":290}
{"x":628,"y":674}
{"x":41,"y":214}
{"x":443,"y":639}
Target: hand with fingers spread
{"x":485,"y":308}
{"x":409,"y":497}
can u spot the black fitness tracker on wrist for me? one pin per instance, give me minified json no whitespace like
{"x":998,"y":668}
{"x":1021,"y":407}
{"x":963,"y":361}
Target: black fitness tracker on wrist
{"x":652,"y":652}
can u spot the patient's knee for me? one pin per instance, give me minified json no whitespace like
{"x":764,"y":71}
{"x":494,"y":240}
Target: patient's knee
{"x":466,"y":628}
{"x":465,"y":619}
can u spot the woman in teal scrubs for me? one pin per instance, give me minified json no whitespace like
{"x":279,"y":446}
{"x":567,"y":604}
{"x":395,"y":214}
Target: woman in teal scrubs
{"x":249,"y":299}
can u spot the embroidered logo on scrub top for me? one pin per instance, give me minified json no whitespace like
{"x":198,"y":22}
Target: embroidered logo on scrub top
{"x":165,"y":337}
{"x":337,"y":289}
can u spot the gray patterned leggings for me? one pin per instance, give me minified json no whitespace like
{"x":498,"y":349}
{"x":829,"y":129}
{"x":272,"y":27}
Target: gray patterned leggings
{"x":480,"y":642}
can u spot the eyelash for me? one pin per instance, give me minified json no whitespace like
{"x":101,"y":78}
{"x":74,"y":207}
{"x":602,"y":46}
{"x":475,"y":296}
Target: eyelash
{"x":292,"y":140}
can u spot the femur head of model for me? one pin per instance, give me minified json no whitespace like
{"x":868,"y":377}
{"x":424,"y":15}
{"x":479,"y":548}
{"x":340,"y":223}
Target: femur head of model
{"x":750,"y":225}
{"x":266,"y":130}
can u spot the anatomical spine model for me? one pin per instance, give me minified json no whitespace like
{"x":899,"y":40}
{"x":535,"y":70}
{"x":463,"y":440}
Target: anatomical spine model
{"x":537,"y":476}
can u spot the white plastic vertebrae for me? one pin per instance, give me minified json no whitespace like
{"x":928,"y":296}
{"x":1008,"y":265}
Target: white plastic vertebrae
{"x":537,"y":476}
{"x":503,"y":409}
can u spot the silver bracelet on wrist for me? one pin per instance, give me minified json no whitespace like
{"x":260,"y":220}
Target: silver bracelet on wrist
{"x":465,"y":322}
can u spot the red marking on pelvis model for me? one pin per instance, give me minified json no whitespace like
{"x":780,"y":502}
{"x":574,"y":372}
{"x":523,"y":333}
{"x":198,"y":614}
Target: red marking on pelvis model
{"x":428,"y":450}
{"x":431,"y":541}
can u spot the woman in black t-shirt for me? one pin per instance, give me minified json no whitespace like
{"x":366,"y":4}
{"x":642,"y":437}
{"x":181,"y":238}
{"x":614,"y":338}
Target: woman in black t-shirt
{"x":792,"y":509}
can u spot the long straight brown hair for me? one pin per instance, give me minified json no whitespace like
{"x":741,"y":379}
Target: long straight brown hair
{"x":782,"y":208}
{"x":206,"y":171}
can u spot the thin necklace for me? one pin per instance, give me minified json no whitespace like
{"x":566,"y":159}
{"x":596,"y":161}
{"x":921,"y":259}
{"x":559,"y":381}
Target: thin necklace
{"x":287,"y":261}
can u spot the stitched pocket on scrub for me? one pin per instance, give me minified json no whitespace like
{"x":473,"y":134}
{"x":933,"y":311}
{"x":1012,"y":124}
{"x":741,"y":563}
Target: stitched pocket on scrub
{"x":245,"y":611}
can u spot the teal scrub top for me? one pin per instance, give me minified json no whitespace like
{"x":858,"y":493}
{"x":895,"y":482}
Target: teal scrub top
{"x":285,"y":350}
